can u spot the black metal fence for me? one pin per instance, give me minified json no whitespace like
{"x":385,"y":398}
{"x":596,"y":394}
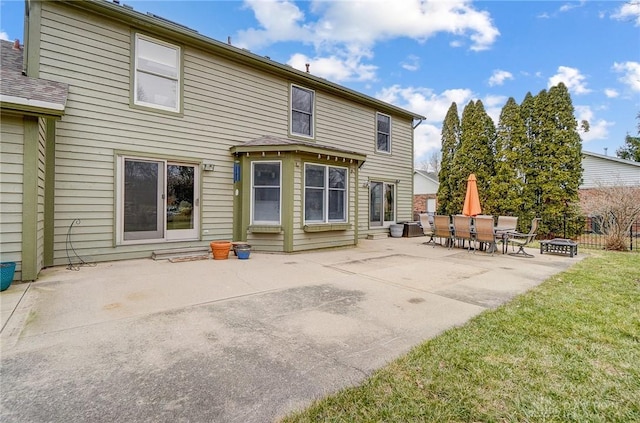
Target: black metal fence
{"x":588,"y":232}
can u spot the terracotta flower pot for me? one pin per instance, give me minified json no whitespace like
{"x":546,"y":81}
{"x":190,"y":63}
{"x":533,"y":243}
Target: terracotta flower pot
{"x":220,"y":249}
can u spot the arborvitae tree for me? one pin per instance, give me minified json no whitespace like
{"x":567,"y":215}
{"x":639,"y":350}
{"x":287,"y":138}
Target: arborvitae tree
{"x":450,"y":145}
{"x":477,"y":140}
{"x":506,"y":190}
{"x":561,"y":169}
{"x":530,"y":190}
{"x":486,"y":149}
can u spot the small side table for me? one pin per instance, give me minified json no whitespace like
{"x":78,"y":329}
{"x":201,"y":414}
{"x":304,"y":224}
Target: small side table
{"x":560,"y":246}
{"x":412,"y":229}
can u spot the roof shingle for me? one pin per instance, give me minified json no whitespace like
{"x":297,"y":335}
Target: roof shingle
{"x":14,"y":84}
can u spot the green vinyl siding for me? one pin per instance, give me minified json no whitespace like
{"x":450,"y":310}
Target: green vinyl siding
{"x":224,"y":103}
{"x":11,"y":190}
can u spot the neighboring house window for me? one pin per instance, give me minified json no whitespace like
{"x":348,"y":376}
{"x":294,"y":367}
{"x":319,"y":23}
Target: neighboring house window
{"x":383,"y":129}
{"x":325,"y":194}
{"x":157,"y":74}
{"x":302,"y":110}
{"x":382,"y":204}
{"x":266,"y":184}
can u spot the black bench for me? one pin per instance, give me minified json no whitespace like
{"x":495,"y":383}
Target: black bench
{"x":560,"y":246}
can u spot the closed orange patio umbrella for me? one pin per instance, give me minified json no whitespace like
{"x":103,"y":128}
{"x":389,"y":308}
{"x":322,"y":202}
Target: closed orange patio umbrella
{"x":471,"y":200}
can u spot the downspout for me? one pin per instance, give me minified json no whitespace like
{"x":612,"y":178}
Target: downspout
{"x":419,"y":122}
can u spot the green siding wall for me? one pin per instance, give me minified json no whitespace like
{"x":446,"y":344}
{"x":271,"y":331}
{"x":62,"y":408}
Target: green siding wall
{"x":224,"y":104}
{"x":11,"y":189}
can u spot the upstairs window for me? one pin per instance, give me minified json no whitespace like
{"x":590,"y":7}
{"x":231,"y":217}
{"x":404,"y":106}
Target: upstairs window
{"x":157,"y":74}
{"x":302,"y":110}
{"x":325,"y":194}
{"x":383,"y":129}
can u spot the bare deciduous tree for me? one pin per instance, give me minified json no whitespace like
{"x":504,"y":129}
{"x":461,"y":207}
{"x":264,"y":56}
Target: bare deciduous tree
{"x":432,"y":163}
{"x":615,"y":208}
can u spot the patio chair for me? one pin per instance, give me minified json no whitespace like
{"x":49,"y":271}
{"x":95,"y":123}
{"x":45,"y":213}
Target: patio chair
{"x":442,"y":230}
{"x":462,"y":229}
{"x":523,"y":240}
{"x":507,"y":223}
{"x":485,"y":233}
{"x":426,"y":221}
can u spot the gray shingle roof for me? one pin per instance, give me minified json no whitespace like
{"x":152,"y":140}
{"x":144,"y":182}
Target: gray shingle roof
{"x":268,"y":140}
{"x":22,"y":90}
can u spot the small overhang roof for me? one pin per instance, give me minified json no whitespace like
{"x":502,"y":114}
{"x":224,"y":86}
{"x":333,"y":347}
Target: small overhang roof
{"x":268,"y":143}
{"x":24,"y":94}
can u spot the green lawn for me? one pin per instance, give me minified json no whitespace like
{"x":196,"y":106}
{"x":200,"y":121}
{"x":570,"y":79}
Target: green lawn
{"x":566,"y":351}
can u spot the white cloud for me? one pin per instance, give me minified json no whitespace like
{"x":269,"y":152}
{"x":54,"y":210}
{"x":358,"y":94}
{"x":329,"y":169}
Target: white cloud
{"x":360,"y":21}
{"x":563,"y":9}
{"x":364,"y":23}
{"x":4,"y":36}
{"x":334,"y":68}
{"x":568,"y":6}
{"x":493,"y":105}
{"x":427,"y":138}
{"x":427,"y":103}
{"x":412,"y":63}
{"x":281,"y":20}
{"x":499,"y":76}
{"x":572,"y":78}
{"x":628,"y":11}
{"x":611,"y":93}
{"x":631,"y":74}
{"x":598,"y":128}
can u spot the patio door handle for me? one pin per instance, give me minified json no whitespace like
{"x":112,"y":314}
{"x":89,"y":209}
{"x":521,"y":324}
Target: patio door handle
{"x":197,"y":202}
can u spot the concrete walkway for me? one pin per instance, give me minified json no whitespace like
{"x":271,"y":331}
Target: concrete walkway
{"x":236,"y":340}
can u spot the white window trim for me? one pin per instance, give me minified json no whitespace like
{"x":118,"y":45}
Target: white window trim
{"x":119,"y":201}
{"x":326,"y":189}
{"x":178,"y":78}
{"x":265,"y":222}
{"x":313,"y":113}
{"x":385,"y":223}
{"x":378,"y":132}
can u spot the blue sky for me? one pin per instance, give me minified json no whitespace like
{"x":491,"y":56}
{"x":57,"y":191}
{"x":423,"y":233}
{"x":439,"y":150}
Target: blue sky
{"x":422,"y":55}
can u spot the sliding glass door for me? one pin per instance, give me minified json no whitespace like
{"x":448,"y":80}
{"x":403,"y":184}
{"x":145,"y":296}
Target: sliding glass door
{"x":382,"y":204}
{"x":158,"y":200}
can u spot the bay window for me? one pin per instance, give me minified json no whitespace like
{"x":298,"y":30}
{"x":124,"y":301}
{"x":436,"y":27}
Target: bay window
{"x":266,"y":193}
{"x":325,"y":194}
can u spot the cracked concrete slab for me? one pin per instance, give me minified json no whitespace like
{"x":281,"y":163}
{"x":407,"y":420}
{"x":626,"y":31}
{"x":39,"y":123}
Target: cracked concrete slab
{"x":236,"y":340}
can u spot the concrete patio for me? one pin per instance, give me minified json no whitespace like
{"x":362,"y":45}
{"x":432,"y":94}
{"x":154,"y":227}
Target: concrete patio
{"x":236,"y":340}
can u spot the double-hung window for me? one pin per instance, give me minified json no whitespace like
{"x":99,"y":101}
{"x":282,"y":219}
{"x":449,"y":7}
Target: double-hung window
{"x":302,"y":110}
{"x":266,"y":188}
{"x":383,"y":130}
{"x":157,"y":74}
{"x":325,"y":194}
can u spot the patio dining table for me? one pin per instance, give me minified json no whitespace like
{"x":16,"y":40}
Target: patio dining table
{"x":504,"y":235}
{"x":502,"y":232}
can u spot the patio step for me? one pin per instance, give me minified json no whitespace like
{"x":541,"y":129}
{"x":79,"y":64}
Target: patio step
{"x":379,"y":235}
{"x":182,"y":254}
